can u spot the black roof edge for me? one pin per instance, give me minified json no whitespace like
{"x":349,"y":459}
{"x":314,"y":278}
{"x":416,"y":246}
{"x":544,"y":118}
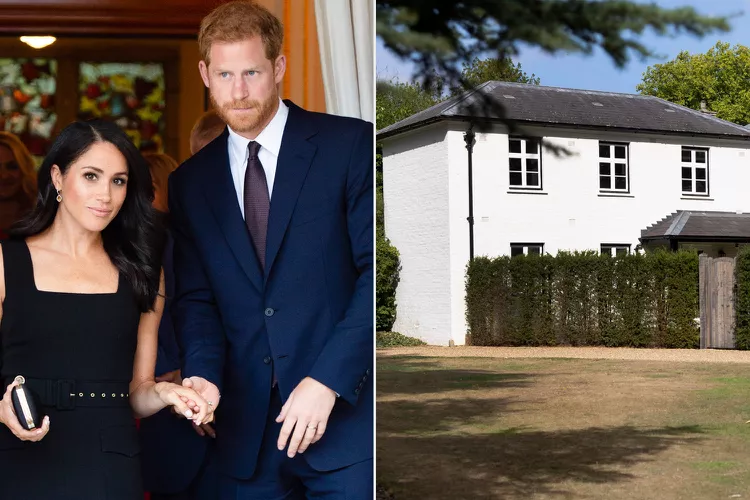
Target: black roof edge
{"x":698,"y":239}
{"x":494,"y":121}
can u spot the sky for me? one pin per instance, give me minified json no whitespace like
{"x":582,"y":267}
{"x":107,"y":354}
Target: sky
{"x":597,"y":71}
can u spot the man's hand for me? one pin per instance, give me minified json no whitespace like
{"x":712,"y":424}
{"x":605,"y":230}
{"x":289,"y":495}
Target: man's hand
{"x":306,"y":412}
{"x":207,"y":390}
{"x":204,"y":429}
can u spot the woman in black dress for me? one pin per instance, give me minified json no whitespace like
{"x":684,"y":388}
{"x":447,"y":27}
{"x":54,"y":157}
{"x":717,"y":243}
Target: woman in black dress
{"x":82,"y":297}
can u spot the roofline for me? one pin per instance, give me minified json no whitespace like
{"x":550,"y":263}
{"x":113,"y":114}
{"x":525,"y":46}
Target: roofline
{"x":435,"y":119}
{"x":698,"y":239}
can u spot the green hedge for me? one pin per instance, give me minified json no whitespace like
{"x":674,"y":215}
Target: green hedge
{"x":585,"y":299}
{"x":394,"y":339}
{"x":742,"y":299}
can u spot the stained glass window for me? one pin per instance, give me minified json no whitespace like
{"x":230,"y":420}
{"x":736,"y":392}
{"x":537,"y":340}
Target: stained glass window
{"x":27,"y":102}
{"x":130,"y":94}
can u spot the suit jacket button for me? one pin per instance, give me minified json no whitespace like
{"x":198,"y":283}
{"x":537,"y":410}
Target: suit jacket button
{"x":269,"y":312}
{"x":356,"y":391}
{"x":267,"y":360}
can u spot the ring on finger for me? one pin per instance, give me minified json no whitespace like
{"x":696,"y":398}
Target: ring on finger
{"x":312,"y":426}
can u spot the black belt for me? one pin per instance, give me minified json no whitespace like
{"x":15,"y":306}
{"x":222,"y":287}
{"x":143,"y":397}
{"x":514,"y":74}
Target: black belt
{"x":67,"y":394}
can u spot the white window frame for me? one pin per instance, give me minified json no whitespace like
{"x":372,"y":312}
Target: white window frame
{"x":694,"y":166}
{"x":612,"y":161}
{"x":524,"y":156}
{"x":617,"y":247}
{"x":525,"y":248}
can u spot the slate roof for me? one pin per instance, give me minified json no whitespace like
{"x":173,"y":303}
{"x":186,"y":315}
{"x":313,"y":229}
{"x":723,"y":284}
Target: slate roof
{"x":534,"y":104}
{"x":685,"y":224}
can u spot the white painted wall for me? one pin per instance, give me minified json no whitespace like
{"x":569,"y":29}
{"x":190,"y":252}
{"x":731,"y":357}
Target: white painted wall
{"x":569,"y":215}
{"x":416,"y":209}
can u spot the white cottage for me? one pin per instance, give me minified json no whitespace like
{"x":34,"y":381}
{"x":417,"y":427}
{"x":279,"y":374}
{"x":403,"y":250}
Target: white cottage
{"x":631,"y":161}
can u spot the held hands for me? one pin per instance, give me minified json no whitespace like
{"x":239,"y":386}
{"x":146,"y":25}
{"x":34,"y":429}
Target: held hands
{"x":9,"y":418}
{"x":208,"y":392}
{"x":176,"y":378}
{"x":185,"y":401}
{"x":306,"y":412}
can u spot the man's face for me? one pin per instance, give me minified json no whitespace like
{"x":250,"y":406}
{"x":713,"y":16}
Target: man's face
{"x":243,"y":84}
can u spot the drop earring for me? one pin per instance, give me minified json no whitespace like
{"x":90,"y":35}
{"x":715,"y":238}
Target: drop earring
{"x":59,"y":196}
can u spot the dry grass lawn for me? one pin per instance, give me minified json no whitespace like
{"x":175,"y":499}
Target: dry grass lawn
{"x":484,"y":427}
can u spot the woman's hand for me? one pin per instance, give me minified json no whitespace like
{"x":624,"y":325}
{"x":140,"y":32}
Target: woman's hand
{"x":9,"y":418}
{"x":185,"y":401}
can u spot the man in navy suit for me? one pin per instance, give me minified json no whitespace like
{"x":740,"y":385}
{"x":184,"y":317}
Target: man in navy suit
{"x":273,"y":260}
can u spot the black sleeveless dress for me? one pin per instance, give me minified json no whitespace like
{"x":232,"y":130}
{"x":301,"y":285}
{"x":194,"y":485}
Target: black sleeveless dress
{"x":76,"y":352}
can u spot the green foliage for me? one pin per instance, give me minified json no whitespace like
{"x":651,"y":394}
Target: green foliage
{"x":478,"y":71}
{"x":440,"y":35}
{"x":396,"y":100}
{"x":386,"y":280}
{"x":393,"y":339}
{"x":742,"y":299}
{"x":719,"y":77}
{"x":584,"y":299}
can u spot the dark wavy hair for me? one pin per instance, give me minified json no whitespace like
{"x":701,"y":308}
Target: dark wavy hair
{"x":133,"y":240}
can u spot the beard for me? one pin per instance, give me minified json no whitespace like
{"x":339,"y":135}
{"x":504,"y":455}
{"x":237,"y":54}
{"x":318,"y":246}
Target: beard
{"x":248,"y":122}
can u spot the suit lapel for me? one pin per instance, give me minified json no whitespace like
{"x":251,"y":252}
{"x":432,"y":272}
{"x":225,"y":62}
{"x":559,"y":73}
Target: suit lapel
{"x":222,"y":198}
{"x":295,"y":157}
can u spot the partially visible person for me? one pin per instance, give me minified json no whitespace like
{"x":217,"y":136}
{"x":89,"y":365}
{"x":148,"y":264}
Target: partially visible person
{"x":174,"y":454}
{"x":207,"y":128}
{"x":17,"y":181}
{"x":82,"y":297}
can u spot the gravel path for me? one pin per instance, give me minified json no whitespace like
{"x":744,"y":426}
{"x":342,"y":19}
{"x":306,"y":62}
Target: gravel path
{"x":683,"y":355}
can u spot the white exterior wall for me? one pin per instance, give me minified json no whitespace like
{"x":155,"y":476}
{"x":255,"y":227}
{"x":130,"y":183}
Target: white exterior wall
{"x":569,"y":215}
{"x":416,"y":209}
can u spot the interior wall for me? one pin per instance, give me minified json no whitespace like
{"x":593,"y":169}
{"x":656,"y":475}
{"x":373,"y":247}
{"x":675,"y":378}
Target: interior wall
{"x":303,"y":83}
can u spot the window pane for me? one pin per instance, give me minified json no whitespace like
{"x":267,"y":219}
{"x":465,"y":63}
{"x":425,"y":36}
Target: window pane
{"x":535,"y":250}
{"x":700,"y":157}
{"x":604,"y":168}
{"x":619,"y":151}
{"x":687,"y":173}
{"x":687,"y":185}
{"x":620,"y":183}
{"x":532,"y":180}
{"x":515,"y":250}
{"x":687,"y":156}
{"x":515,"y":164}
{"x":605,"y":182}
{"x":132,"y":95}
{"x":532,"y":165}
{"x":606,"y":250}
{"x":621,"y":250}
{"x":604,"y":150}
{"x":700,"y":173}
{"x":700,"y":186}
{"x":27,"y":103}
{"x":532,"y":146}
{"x":515,"y":145}
{"x":619,"y":169}
{"x":516,"y":179}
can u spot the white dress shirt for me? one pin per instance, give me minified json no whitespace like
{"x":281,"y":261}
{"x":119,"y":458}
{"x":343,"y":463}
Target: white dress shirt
{"x":270,"y":145}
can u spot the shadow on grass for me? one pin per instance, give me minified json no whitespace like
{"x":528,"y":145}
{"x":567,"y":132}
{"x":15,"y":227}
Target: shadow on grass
{"x":515,"y":463}
{"x":418,"y":377}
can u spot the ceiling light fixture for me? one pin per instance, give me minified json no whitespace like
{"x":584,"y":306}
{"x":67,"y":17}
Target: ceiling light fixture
{"x":38,"y":42}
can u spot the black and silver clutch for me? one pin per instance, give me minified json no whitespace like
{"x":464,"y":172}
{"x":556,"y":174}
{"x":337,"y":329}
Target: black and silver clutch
{"x":26,"y":405}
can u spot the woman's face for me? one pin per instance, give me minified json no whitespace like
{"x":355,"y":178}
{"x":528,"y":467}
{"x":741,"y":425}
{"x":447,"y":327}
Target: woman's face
{"x":10,"y":174}
{"x":94,"y":187}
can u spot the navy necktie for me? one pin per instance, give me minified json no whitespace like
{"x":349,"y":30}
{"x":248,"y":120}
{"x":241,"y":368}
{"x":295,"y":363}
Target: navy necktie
{"x":257,"y":202}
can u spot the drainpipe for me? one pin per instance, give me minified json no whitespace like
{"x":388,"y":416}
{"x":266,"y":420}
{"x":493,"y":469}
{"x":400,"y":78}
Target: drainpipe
{"x":469,"y":140}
